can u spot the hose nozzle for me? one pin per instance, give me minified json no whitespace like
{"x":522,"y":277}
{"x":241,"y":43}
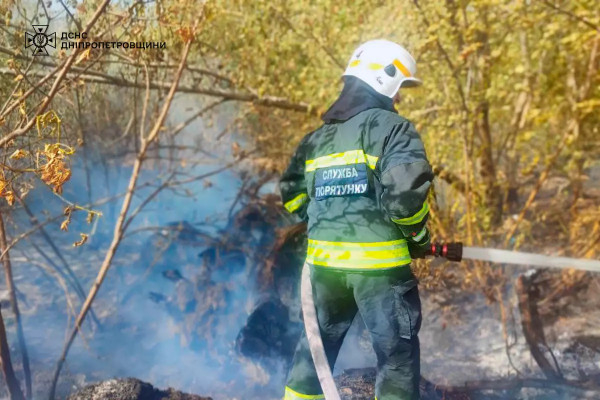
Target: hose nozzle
{"x":449,"y":251}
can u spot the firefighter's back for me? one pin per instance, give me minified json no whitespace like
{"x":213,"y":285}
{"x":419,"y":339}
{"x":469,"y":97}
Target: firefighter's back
{"x":347,"y":226}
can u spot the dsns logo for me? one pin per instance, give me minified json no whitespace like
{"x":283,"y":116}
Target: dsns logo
{"x":40,"y":40}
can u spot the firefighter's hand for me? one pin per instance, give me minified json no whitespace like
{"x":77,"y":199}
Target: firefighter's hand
{"x":418,"y":251}
{"x":420,"y":246}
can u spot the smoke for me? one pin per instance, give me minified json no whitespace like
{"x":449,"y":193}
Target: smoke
{"x":185,"y":282}
{"x":175,"y":299}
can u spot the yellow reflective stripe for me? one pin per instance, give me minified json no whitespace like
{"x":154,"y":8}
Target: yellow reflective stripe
{"x":296,"y":202}
{"x":421,"y":235}
{"x":358,"y":255}
{"x":293,"y":395}
{"x":415,"y":219}
{"x":371,"y":161}
{"x":402,"y":68}
{"x":396,"y":262}
{"x":375,"y":66}
{"x":354,"y":63}
{"x":345,"y":158}
{"x":356,"y":245}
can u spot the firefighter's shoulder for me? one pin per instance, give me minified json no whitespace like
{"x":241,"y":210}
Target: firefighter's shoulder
{"x":390,"y":118}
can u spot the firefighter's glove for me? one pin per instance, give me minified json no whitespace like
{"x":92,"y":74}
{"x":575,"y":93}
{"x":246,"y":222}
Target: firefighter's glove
{"x":419,"y":244}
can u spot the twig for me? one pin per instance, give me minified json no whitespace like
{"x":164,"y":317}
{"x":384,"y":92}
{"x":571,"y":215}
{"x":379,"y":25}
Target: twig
{"x":572,"y":15}
{"x":77,"y":24}
{"x":533,"y":329}
{"x":147,"y":200}
{"x":54,"y":273}
{"x":57,"y":82}
{"x":197,"y":115}
{"x":118,"y":231}
{"x":29,"y":232}
{"x":504,"y":320}
{"x":449,"y":177}
{"x":532,"y":195}
{"x":266,"y":101}
{"x":451,"y":65}
{"x":73,"y":278}
{"x":14,"y":91}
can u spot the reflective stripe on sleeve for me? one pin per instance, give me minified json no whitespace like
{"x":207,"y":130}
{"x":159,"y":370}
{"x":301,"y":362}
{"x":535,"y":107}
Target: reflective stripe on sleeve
{"x":415,"y":219}
{"x":293,"y":395}
{"x":420,"y":235}
{"x":345,"y":158}
{"x":371,"y":161}
{"x":296,"y":202}
{"x":353,"y":255}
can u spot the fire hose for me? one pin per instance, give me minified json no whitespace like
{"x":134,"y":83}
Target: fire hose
{"x":449,"y":251}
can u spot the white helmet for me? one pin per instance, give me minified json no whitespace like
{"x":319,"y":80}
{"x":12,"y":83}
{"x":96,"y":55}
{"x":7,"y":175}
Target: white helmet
{"x":383,"y":65}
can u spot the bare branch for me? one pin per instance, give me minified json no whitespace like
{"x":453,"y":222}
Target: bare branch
{"x":266,"y":101}
{"x":572,"y":15}
{"x":57,"y":82}
{"x":118,"y":231}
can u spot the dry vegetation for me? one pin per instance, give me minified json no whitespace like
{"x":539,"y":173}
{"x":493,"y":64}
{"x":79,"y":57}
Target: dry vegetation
{"x":509,"y":113}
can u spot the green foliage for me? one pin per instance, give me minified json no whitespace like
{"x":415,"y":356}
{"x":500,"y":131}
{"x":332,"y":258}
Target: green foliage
{"x":502,"y":99}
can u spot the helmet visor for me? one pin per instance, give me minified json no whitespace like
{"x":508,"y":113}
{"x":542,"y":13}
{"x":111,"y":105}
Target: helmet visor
{"x":410,"y":83}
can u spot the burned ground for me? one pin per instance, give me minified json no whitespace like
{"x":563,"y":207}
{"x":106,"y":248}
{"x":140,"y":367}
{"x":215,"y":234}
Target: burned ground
{"x":129,"y":389}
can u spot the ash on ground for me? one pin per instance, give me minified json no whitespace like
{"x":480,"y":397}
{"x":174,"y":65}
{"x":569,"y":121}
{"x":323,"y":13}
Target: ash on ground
{"x":130,"y":389}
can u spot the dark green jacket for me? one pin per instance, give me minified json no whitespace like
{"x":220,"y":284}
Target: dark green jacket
{"x":362,"y":183}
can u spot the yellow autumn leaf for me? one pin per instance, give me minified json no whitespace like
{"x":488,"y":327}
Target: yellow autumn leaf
{"x":18,"y":77}
{"x":83,"y":56}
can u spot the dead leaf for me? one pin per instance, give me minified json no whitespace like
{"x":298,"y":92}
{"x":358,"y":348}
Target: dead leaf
{"x":18,"y":154}
{"x":55,"y":171}
{"x":9,"y":196}
{"x":82,"y":241}
{"x":235,"y":149}
{"x":65,"y":224}
{"x":186,"y":34}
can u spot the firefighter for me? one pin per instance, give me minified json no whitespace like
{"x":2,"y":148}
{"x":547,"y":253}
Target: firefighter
{"x":361,"y":182}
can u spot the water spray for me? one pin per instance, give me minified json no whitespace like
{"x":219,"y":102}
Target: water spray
{"x":458,"y":252}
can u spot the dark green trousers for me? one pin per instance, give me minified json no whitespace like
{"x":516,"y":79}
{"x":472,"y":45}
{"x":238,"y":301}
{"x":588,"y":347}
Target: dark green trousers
{"x":388,"y":301}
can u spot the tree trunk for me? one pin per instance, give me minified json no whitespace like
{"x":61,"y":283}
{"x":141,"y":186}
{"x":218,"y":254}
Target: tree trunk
{"x":7,"y":370}
{"x":534,"y":331}
{"x":492,"y":194}
{"x":15,"y":308}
